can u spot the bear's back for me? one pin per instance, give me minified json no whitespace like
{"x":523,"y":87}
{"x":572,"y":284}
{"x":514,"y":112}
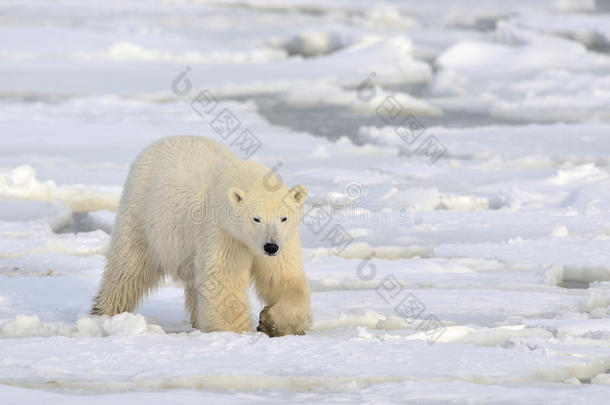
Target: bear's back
{"x":187,"y":152}
{"x":177,"y":160}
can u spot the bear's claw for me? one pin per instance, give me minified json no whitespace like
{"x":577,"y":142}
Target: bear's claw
{"x":269,"y":327}
{"x":266,"y":324}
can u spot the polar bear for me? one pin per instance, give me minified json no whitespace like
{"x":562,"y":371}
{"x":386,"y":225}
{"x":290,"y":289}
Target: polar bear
{"x":194,"y":211}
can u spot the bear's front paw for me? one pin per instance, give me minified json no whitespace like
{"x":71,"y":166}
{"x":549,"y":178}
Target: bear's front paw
{"x":272,"y":327}
{"x":266,"y":324}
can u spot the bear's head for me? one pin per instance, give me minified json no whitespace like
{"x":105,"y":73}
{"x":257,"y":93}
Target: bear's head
{"x":264,"y":219}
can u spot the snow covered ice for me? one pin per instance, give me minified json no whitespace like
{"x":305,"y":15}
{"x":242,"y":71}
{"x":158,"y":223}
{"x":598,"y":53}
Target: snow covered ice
{"x":463,"y":147}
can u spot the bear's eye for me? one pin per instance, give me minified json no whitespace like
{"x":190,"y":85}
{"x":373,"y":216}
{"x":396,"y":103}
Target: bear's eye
{"x":256,"y":219}
{"x":284,"y":219}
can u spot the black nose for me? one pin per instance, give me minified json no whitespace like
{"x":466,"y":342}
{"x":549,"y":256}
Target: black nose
{"x":270,"y":248}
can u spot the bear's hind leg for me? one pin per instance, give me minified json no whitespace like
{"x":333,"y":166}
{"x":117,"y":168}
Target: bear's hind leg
{"x":129,"y":275}
{"x":190,"y":302}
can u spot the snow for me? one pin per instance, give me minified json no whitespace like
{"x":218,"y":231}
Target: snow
{"x":463,"y":147}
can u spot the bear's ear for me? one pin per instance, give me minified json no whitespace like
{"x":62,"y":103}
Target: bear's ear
{"x":236,"y":195}
{"x":299,"y":193}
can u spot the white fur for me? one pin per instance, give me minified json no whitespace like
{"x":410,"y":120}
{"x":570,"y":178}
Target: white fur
{"x":187,"y":212}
